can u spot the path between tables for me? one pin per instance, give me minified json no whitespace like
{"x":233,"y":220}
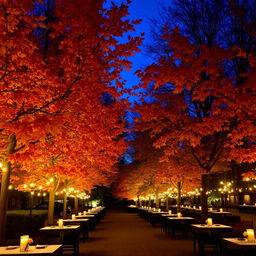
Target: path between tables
{"x":126,"y":234}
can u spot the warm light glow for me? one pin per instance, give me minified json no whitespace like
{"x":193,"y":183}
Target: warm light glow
{"x":32,"y":185}
{"x":179,"y":215}
{"x":1,"y":165}
{"x":32,"y":193}
{"x":44,"y":194}
{"x":10,"y":187}
{"x":24,"y":243}
{"x":170,"y":212}
{"x":250,"y":234}
{"x":40,"y":187}
{"x":25,"y":186}
{"x":60,"y":223}
{"x":209,"y":221}
{"x":221,"y":210}
{"x":73,"y":216}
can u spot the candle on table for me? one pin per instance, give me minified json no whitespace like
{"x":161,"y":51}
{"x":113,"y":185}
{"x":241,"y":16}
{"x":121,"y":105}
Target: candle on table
{"x":84,"y":212}
{"x":179,"y":215}
{"x":159,"y":210}
{"x":73,"y":216}
{"x":210,"y":209}
{"x":200,"y":207}
{"x":60,"y":223}
{"x":79,"y":214}
{"x":209,"y":221}
{"x":221,"y":210}
{"x":194,"y":207}
{"x":170,"y":212}
{"x":250,"y":234}
{"x":24,"y":243}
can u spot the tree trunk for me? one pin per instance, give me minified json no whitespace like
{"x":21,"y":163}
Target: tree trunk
{"x":178,"y":196}
{"x":139,"y":202}
{"x":167,"y":203}
{"x":204,"y":203}
{"x":76,"y":205}
{"x":64,"y":206}
{"x":51,"y":203}
{"x":149,"y":201}
{"x":157,"y":198}
{"x":64,"y":215}
{"x":31,"y":200}
{"x":4,"y":187}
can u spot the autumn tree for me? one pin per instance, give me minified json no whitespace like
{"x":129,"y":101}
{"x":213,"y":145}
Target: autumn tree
{"x":197,"y":94}
{"x":55,"y":69}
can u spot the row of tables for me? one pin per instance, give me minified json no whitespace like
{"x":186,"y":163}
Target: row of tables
{"x":217,"y":236}
{"x":62,"y":238}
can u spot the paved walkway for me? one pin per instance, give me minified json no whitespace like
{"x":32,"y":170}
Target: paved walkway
{"x":126,"y":234}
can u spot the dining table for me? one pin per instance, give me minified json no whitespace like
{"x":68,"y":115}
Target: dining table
{"x":179,"y":224}
{"x":37,"y":250}
{"x":68,"y":235}
{"x":92,"y":220}
{"x":239,"y":244}
{"x":204,"y":235}
{"x":82,"y":222}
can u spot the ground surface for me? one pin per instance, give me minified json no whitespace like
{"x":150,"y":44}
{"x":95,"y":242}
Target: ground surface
{"x":125,"y":234}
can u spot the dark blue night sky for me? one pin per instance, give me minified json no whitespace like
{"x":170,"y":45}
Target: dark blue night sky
{"x":140,"y":9}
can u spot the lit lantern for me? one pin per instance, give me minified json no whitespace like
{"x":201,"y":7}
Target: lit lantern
{"x":73,"y":216}
{"x":60,"y":223}
{"x":250,"y":234}
{"x":209,"y":221}
{"x":179,"y":215}
{"x":221,"y":210}
{"x":169,"y":212}
{"x":24,"y":243}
